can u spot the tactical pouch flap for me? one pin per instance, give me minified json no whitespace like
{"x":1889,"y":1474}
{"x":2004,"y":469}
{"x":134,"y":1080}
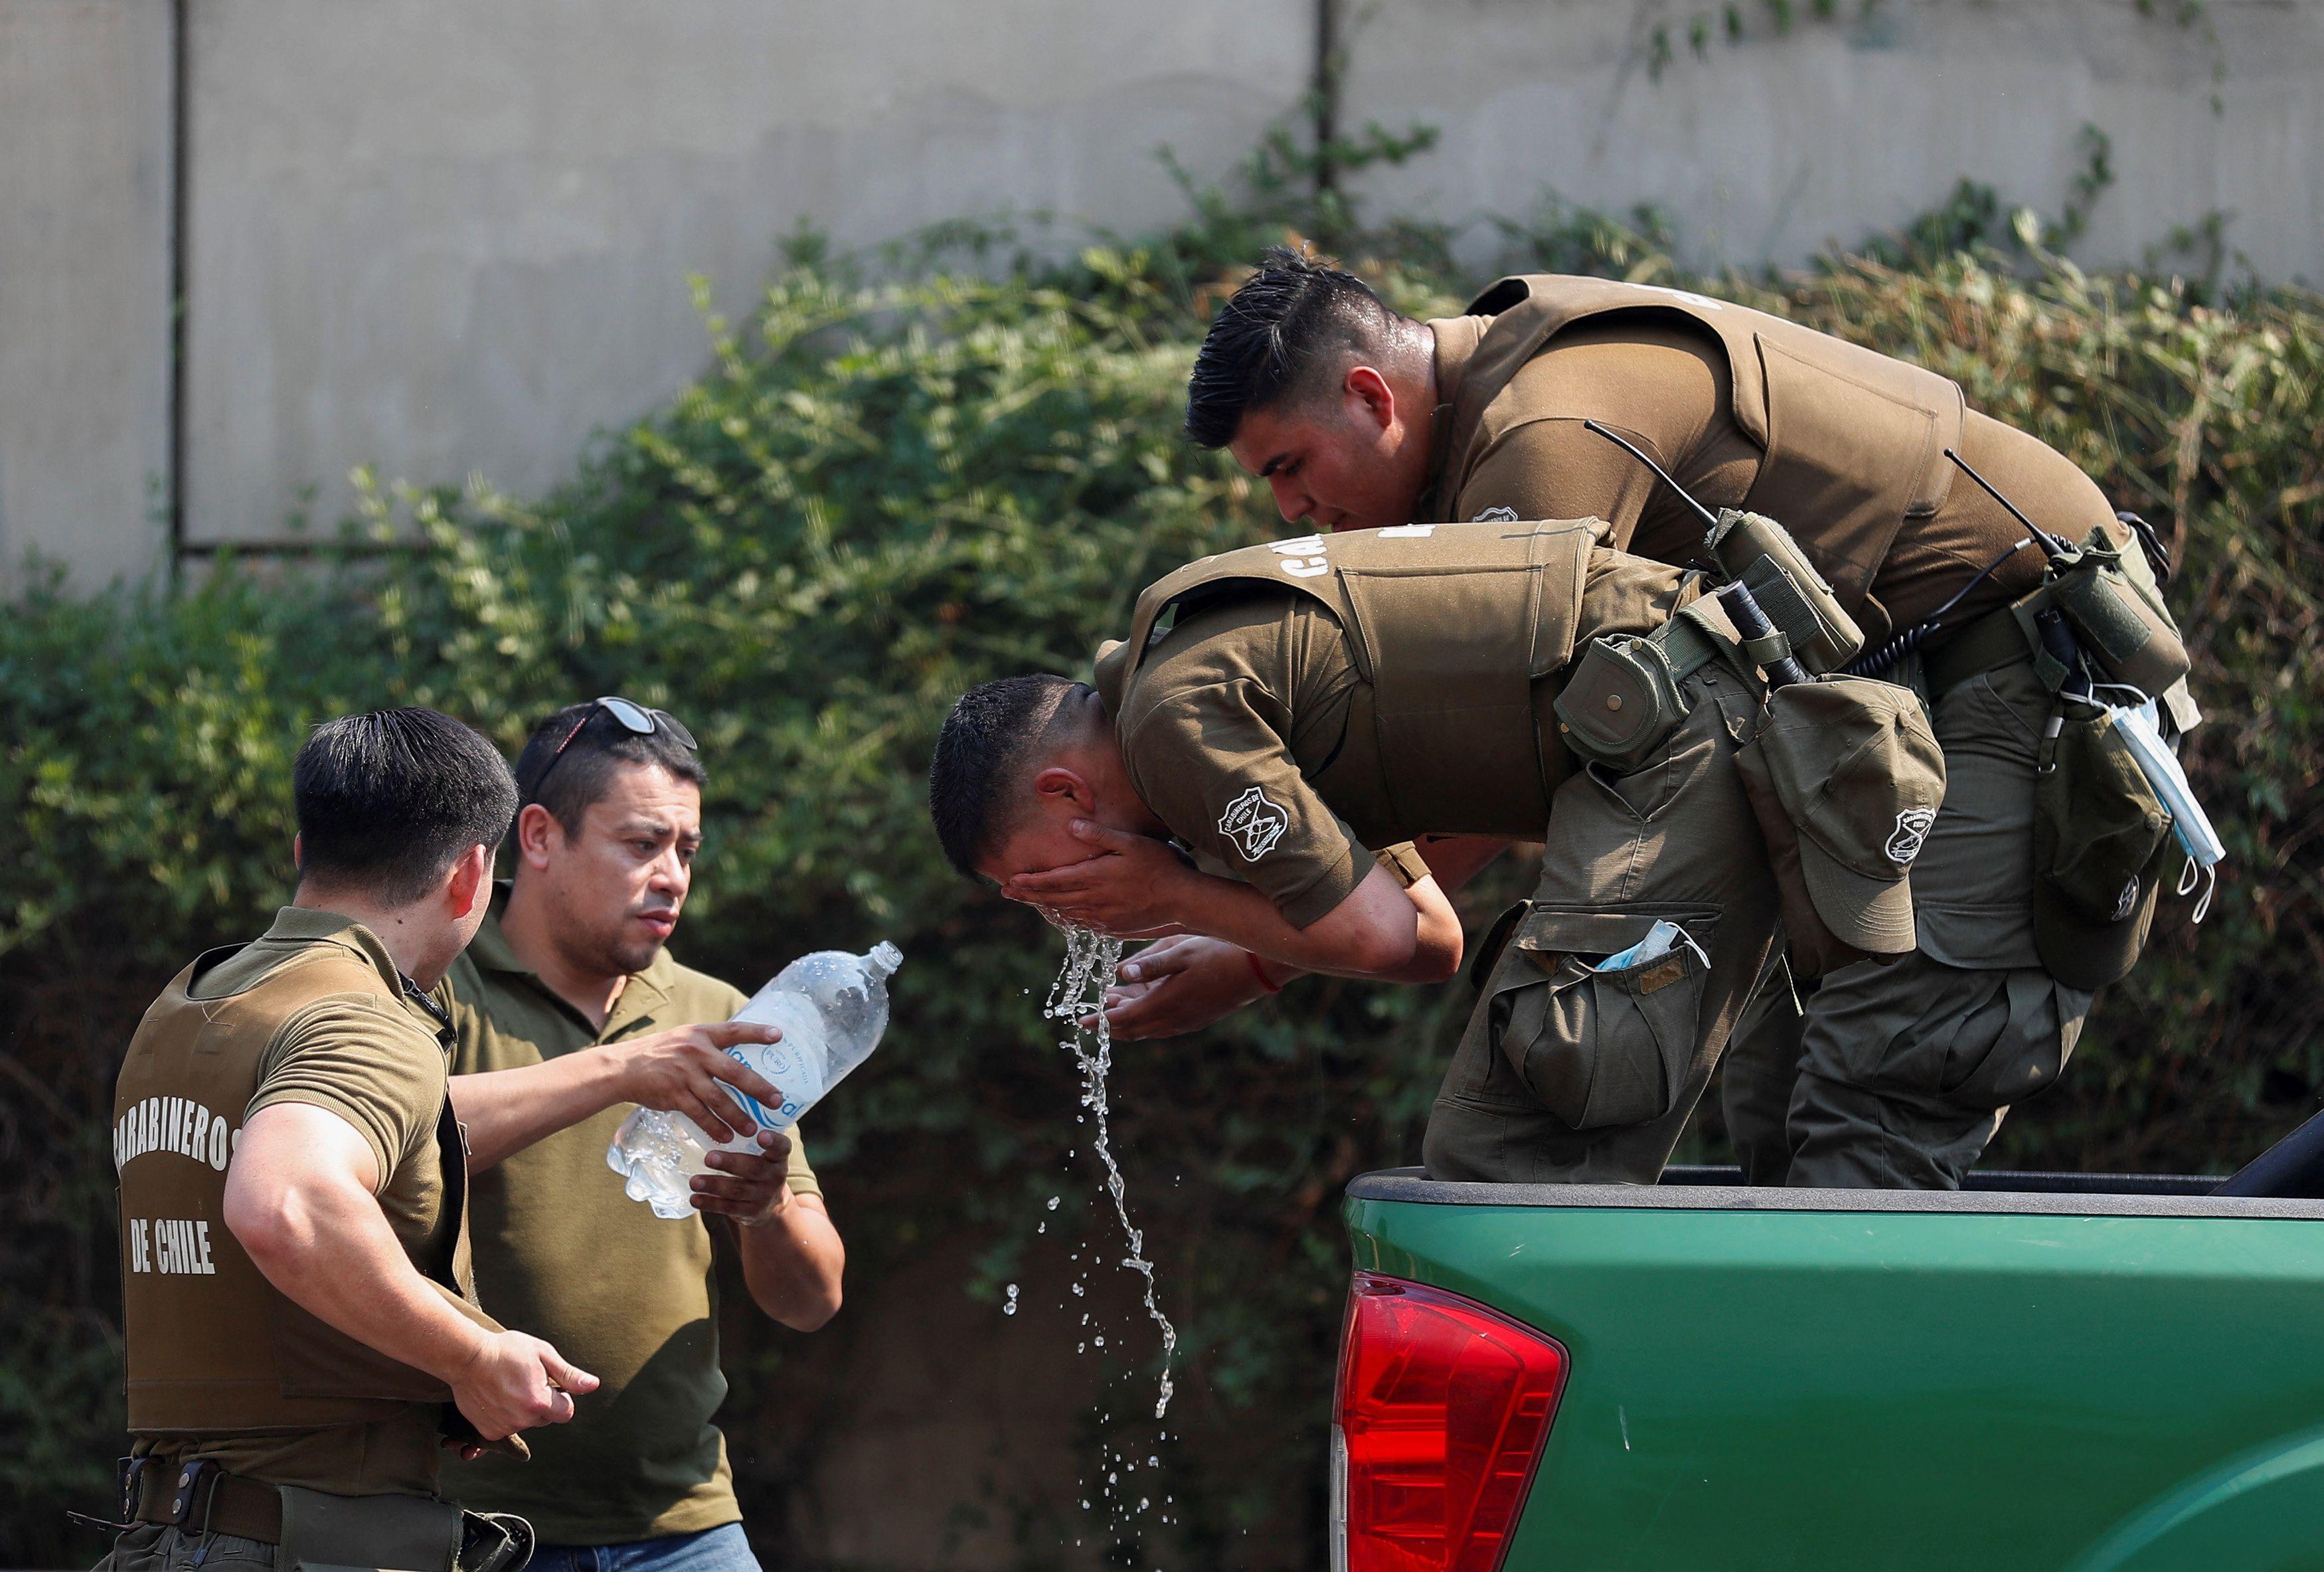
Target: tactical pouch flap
{"x":1602,"y":1048}
{"x":1620,"y":703}
{"x":2122,"y":623}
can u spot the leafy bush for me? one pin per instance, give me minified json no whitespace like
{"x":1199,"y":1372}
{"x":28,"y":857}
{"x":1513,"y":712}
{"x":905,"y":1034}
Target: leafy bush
{"x":879,"y":495}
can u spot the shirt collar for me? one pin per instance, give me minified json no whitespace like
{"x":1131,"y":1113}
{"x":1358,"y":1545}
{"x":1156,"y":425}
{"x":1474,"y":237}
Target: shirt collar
{"x":311,"y":925}
{"x":1457,"y":339}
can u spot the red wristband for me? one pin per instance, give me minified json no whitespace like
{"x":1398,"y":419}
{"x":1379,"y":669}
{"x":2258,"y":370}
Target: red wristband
{"x":1261,"y":972}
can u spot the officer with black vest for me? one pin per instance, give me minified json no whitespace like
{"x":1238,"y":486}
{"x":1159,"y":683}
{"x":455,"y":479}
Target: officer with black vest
{"x":1313,"y":700}
{"x":302,"y":1337}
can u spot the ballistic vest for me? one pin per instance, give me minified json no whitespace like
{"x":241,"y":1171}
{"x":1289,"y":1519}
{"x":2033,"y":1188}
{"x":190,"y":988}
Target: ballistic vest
{"x":1453,"y":626}
{"x":1854,"y":441}
{"x":212,"y":1347}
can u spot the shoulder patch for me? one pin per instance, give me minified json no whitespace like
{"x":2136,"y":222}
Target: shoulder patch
{"x":1254,"y":823}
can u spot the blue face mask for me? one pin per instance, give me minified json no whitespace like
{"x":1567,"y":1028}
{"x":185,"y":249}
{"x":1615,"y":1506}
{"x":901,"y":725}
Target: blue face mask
{"x":1665,"y":937}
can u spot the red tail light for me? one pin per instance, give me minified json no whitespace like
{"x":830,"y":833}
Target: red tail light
{"x":1442,"y":1408}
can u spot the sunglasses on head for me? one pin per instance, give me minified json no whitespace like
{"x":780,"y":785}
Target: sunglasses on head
{"x":630,"y":716}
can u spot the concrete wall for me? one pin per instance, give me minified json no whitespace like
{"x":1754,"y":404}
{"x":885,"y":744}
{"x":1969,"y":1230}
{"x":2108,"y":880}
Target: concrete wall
{"x":84,"y":281}
{"x":1770,"y":149}
{"x":453,"y":236}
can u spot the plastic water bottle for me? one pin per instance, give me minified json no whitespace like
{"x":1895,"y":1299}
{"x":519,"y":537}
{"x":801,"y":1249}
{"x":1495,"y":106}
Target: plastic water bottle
{"x":831,"y":1007}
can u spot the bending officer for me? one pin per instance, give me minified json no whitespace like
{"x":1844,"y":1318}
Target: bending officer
{"x":1318,"y":697}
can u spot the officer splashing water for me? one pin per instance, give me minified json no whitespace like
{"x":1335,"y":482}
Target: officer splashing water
{"x":1227,"y":774}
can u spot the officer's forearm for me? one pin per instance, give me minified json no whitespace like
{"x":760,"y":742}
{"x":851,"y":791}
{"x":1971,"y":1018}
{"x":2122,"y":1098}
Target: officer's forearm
{"x":1374,"y":932}
{"x":1455,"y":859}
{"x":793,"y":1263}
{"x":506,"y":1110}
{"x":1439,"y":939}
{"x":298,"y":1200}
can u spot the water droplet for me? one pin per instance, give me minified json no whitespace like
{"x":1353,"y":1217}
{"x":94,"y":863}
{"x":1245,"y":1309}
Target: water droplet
{"x":1053,"y":1202}
{"x":1011,"y":1308}
{"x":1077,"y":1291}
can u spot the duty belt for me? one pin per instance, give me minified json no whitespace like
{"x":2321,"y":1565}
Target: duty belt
{"x":198,"y":1497}
{"x":1988,"y":645}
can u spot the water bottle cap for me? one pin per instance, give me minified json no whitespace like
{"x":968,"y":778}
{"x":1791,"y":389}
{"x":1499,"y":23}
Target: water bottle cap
{"x":884,"y":958}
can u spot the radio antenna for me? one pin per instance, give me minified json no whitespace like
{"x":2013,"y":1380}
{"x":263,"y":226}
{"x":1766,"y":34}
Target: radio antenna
{"x":1742,"y":607}
{"x":2052,"y":546}
{"x":1709,"y":520}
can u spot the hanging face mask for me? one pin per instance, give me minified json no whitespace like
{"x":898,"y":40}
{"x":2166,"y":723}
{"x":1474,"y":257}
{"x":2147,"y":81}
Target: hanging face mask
{"x":2143,"y":737}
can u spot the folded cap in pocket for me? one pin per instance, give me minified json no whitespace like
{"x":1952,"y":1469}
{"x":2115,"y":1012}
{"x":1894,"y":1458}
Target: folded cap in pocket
{"x":1859,"y":772}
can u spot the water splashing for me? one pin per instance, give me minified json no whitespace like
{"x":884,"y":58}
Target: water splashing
{"x":1093,"y":961}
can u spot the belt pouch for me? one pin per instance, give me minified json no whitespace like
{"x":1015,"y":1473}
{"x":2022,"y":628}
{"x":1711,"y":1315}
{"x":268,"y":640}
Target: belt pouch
{"x":367,"y":1534}
{"x":2124,"y":628}
{"x":2100,"y":840}
{"x":1621,"y":702}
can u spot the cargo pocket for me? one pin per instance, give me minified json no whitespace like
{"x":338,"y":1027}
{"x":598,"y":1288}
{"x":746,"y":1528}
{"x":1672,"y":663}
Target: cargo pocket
{"x":1601,"y":1049}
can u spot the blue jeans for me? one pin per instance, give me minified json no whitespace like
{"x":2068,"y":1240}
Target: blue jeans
{"x":720,"y":1549}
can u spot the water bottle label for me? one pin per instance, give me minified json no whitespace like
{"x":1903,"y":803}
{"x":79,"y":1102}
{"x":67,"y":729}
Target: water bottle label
{"x":794,"y":1075}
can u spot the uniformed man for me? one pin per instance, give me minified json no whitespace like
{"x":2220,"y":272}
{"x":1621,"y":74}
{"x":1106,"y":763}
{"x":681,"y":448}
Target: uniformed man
{"x":569,"y":1011}
{"x":1319,"y":696}
{"x":301,"y":1332}
{"x":1358,"y":416}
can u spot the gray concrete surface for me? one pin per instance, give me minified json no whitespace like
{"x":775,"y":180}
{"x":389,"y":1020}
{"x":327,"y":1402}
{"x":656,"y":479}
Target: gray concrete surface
{"x":1770,"y":149}
{"x":84,"y":282}
{"x":445,"y":236}
{"x":449,"y":235}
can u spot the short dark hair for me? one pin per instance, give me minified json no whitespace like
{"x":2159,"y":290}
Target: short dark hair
{"x":390,"y":801}
{"x":1291,"y":322}
{"x":585,"y":771}
{"x":979,"y":756}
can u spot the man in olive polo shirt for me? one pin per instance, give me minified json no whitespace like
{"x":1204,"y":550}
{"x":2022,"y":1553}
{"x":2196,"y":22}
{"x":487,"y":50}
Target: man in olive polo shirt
{"x":1357,"y":417}
{"x":568,"y":1011}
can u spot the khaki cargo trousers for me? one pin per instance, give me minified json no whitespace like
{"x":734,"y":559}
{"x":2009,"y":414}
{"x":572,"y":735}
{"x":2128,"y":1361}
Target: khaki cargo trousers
{"x":1896,"y":1076}
{"x":1568,"y":1073}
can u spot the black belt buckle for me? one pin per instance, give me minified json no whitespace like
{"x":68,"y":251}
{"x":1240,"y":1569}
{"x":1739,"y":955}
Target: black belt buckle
{"x":190,"y":1476}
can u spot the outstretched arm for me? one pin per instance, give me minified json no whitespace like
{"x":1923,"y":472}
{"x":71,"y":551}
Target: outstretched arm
{"x":680,"y":1070}
{"x":301,"y":1199}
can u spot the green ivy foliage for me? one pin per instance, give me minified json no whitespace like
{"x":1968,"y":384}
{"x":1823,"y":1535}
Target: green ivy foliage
{"x":878,"y":494}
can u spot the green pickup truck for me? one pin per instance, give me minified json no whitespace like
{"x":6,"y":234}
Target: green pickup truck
{"x":2053,"y":1371}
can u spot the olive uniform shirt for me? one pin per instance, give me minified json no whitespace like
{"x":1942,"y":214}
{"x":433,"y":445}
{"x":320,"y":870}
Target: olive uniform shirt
{"x":382,"y":1071}
{"x":1666,"y":385}
{"x":1258,"y":692}
{"x":562,"y":1253}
